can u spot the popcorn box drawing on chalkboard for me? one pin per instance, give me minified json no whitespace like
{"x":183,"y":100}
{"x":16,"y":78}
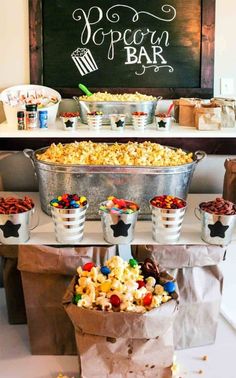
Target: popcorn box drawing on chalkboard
{"x":84,"y":61}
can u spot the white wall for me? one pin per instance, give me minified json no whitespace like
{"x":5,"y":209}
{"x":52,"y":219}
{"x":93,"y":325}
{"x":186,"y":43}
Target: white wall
{"x":14,"y":50}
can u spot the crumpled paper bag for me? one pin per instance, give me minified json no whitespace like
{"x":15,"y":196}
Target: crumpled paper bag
{"x":122,"y":345}
{"x":13,"y":285}
{"x":229,"y":191}
{"x":208,"y":117}
{"x":228,"y":108}
{"x":200,"y":284}
{"x":46,"y":272}
{"x":187,"y":108}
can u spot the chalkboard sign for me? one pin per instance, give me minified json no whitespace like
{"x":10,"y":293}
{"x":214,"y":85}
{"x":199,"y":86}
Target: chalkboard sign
{"x":163,"y":47}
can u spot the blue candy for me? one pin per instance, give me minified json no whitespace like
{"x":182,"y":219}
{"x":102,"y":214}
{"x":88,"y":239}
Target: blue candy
{"x":169,"y":287}
{"x":105,"y":270}
{"x":72,"y":202}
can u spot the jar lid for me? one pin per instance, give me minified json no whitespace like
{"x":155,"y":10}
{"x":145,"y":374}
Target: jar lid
{"x":20,"y":114}
{"x":31,"y":107}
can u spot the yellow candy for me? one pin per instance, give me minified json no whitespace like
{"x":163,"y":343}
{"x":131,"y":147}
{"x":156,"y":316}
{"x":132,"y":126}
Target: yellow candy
{"x":105,"y":286}
{"x":82,"y":199}
{"x":55,"y":204}
{"x":59,"y":198}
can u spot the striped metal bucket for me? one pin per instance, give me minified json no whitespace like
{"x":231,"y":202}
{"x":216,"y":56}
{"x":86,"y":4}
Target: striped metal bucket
{"x":69,"y":224}
{"x":166,"y":224}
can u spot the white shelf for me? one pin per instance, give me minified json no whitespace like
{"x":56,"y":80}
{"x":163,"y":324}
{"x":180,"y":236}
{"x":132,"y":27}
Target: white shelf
{"x":57,"y":131}
{"x":44,"y":232}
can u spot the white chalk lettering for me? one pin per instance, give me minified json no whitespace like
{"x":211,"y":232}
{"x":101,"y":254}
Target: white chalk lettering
{"x":131,"y":55}
{"x":157,"y":52}
{"x":143,"y":53}
{"x":143,"y":46}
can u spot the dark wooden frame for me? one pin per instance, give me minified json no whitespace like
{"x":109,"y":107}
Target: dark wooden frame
{"x":207,"y":57}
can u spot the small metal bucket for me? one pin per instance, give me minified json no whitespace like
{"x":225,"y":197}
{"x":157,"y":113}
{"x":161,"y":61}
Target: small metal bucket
{"x":166,"y":224}
{"x":69,"y":224}
{"x":69,"y":123}
{"x":139,"y":121}
{"x":15,"y":228}
{"x":118,"y":228}
{"x":94,"y":122}
{"x":163,"y":123}
{"x":215,"y":229}
{"x":117,"y":122}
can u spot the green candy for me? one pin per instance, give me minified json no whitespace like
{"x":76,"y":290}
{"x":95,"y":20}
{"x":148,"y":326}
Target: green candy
{"x":77,"y":298}
{"x":133,"y":262}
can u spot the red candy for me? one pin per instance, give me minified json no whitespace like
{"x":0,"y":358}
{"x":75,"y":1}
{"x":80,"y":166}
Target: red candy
{"x":168,"y":202}
{"x":140,"y":284}
{"x":139,"y":114}
{"x":147,"y":300}
{"x":88,"y":266}
{"x":115,"y":300}
{"x":69,"y":114}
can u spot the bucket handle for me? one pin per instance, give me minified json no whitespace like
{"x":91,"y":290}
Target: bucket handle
{"x":34,"y":224}
{"x":29,"y":154}
{"x":197,"y":213}
{"x":199,"y":155}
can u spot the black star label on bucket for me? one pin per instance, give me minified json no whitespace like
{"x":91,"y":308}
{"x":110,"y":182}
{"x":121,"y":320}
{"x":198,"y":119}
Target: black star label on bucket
{"x":162,"y":124}
{"x":217,"y":229}
{"x":120,"y":229}
{"x":119,"y":123}
{"x":69,"y":123}
{"x":10,"y":229}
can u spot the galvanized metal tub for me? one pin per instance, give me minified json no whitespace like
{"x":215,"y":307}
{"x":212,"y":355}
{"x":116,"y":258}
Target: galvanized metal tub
{"x":134,"y":183}
{"x":116,"y":107}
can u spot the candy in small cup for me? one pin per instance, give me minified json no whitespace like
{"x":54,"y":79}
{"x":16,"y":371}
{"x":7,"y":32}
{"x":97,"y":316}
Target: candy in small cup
{"x":118,"y":217}
{"x":163,"y":121}
{"x":16,"y":218}
{"x":167,"y":217}
{"x":139,"y":120}
{"x":218,"y":220}
{"x":117,"y":122}
{"x":70,"y":120}
{"x":68,"y":213}
{"x":94,"y":120}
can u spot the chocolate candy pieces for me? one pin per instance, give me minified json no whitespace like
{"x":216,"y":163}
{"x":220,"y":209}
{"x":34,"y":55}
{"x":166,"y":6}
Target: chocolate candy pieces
{"x":219,"y":207}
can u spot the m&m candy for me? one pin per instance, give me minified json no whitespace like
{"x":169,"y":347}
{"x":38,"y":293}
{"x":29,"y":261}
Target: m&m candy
{"x":115,"y":300}
{"x":88,"y":266}
{"x":133,"y":262}
{"x":147,"y":300}
{"x":170,"y":286}
{"x":77,"y":298}
{"x":68,"y":201}
{"x":105,"y":270}
{"x":141,"y":284}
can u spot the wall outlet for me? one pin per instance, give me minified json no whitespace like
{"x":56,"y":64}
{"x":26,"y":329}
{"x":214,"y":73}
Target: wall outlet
{"x":226,"y":86}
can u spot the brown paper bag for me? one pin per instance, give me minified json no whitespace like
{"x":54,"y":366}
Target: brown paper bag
{"x":46,"y":272}
{"x":123,"y":344}
{"x":13,"y":285}
{"x":208,"y":117}
{"x":229,"y":191}
{"x":228,"y":108}
{"x":187,"y":111}
{"x":200,"y":288}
